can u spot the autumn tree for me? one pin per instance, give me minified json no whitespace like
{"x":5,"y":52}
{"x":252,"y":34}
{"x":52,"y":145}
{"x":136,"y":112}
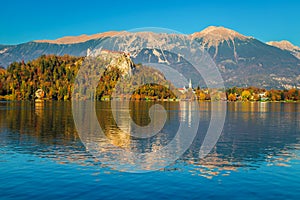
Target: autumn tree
{"x":231,"y":97}
{"x":246,"y":95}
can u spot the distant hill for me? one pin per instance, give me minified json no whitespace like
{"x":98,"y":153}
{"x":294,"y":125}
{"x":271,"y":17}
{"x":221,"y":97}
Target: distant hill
{"x":242,"y":60}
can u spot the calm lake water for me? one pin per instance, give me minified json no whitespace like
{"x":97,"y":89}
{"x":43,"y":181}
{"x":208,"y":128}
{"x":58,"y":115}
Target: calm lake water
{"x":256,"y":157}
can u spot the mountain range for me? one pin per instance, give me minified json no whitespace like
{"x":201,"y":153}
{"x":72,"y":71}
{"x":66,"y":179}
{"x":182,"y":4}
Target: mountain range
{"x":242,"y":60}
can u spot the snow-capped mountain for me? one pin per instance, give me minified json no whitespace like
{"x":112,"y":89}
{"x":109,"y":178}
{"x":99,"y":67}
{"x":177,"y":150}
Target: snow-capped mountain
{"x":242,"y":60}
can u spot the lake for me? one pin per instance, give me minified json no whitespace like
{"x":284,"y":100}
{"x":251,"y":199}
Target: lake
{"x":257,"y":154}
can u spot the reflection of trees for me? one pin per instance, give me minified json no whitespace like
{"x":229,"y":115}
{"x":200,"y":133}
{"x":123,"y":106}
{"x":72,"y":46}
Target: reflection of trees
{"x":45,"y":129}
{"x":139,"y":113}
{"x":254,"y":133}
{"x":109,"y":127}
{"x":49,"y":122}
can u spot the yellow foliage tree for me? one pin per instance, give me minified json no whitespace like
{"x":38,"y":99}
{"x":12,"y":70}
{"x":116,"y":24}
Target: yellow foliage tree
{"x":246,"y":95}
{"x":202,"y":96}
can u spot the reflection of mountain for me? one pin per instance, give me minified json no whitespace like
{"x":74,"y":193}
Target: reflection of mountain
{"x":254,"y":134}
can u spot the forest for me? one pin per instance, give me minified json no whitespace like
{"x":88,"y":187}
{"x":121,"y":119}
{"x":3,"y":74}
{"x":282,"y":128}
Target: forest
{"x":55,"y":76}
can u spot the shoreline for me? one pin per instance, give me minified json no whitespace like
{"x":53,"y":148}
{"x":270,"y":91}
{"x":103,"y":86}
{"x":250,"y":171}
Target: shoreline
{"x":143,"y":100}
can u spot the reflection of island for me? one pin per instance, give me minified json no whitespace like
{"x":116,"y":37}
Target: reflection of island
{"x":254,"y":133}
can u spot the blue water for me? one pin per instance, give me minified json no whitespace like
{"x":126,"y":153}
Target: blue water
{"x":256,"y":157}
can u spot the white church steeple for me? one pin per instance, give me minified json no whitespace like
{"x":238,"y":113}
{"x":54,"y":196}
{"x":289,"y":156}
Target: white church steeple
{"x":190,"y":84}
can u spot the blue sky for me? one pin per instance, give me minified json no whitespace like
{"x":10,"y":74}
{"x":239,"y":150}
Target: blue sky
{"x":23,"y":21}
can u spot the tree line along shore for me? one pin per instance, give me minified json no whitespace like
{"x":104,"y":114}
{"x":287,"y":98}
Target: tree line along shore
{"x":53,"y":77}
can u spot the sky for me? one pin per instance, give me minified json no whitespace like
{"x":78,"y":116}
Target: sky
{"x":27,"y":20}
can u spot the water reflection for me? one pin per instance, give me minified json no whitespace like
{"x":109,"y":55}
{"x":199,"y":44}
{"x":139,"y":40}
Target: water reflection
{"x":138,"y":154}
{"x":118,"y":134}
{"x":254,"y":135}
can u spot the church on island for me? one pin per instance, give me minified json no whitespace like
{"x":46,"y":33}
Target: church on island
{"x":184,"y":89}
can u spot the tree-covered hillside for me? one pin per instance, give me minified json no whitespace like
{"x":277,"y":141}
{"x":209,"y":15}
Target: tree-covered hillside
{"x":55,"y":75}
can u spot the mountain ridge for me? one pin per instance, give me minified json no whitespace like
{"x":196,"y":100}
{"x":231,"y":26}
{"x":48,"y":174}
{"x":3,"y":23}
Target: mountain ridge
{"x":79,"y":39}
{"x":242,"y":60}
{"x":208,"y":31}
{"x":286,"y":45}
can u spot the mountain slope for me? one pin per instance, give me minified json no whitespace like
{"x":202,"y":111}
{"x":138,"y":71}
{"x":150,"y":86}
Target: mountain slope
{"x":248,"y":61}
{"x":32,"y":50}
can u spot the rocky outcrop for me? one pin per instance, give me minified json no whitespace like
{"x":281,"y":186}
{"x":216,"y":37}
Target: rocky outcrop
{"x":120,"y":60}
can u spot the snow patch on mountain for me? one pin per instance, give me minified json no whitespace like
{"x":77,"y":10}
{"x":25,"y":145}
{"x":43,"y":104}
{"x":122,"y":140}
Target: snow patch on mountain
{"x":213,"y":36}
{"x":286,"y":45}
{"x":3,"y":50}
